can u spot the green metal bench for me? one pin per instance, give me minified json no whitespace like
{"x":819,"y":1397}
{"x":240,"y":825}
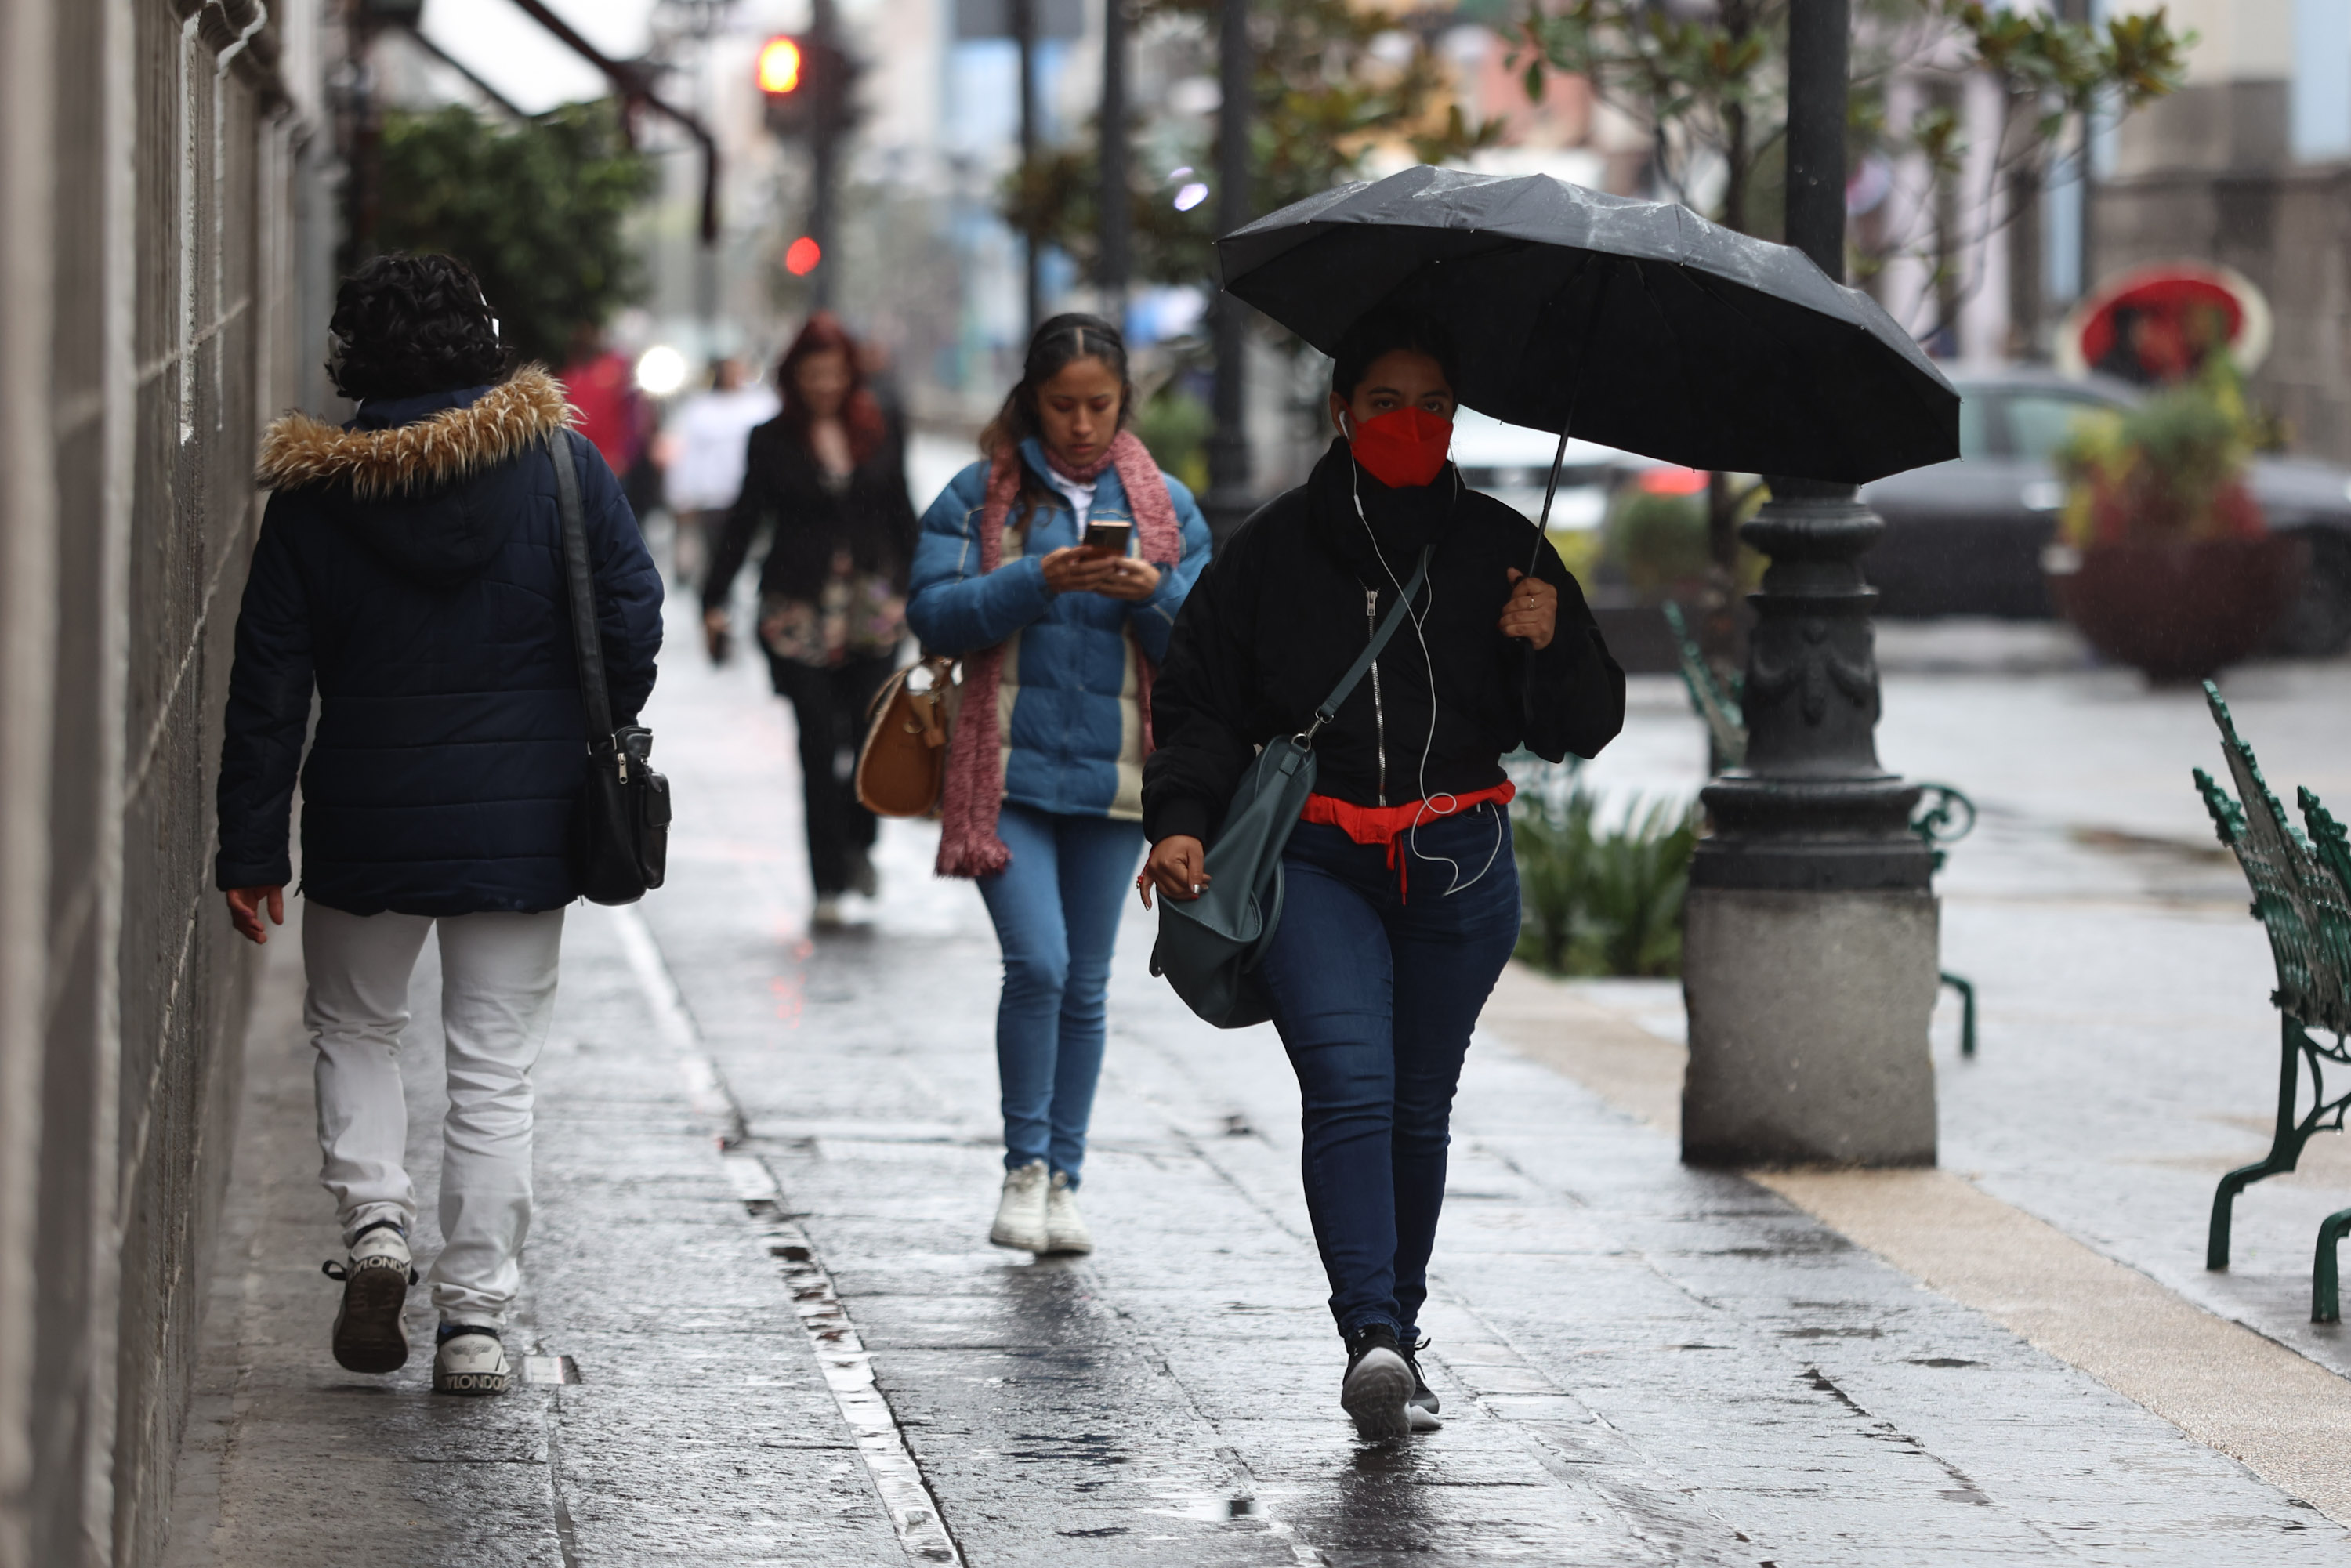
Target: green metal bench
{"x":2302,"y":896}
{"x":1943,"y":815}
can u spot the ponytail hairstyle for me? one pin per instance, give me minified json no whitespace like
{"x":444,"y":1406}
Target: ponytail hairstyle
{"x":861,"y":414}
{"x":1056,"y":345}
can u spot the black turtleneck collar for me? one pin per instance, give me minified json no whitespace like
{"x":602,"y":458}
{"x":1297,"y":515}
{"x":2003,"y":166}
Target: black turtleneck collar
{"x":1402,"y":520}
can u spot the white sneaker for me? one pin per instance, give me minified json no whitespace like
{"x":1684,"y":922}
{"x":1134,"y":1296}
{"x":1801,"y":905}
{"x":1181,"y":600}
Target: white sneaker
{"x":827,"y":915}
{"x":471,"y":1360}
{"x":369,"y":1335}
{"x":1065,"y":1229}
{"x":1020,"y":1212}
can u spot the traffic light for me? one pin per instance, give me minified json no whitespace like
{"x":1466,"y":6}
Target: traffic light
{"x":808,"y":83}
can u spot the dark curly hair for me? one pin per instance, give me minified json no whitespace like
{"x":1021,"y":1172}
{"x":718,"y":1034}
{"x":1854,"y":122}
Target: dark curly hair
{"x":410,"y":324}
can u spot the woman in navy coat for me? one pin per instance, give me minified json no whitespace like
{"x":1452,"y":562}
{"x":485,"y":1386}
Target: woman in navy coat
{"x":410,"y":574}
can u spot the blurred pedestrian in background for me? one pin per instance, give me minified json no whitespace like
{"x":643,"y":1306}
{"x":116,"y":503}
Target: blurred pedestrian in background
{"x":411,"y":571}
{"x":1044,"y":788}
{"x":826,"y":477}
{"x":702,"y":453}
{"x":1400,"y":898}
{"x":613,"y":413}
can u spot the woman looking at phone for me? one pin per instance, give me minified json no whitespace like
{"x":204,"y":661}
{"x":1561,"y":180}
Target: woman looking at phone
{"x":1055,"y":568}
{"x":1400,"y":892}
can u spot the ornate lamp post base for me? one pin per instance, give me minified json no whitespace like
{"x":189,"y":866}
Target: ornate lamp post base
{"x":1810,"y":957}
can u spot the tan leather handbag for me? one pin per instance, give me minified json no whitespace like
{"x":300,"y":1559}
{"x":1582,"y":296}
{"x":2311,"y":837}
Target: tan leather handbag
{"x":903,"y":765}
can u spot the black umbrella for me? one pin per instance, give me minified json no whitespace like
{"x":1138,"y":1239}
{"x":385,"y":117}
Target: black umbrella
{"x":1639,"y":322}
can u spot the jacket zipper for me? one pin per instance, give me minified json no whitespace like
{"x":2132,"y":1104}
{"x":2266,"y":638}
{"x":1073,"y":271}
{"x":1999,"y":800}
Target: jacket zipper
{"x":1379,"y":715}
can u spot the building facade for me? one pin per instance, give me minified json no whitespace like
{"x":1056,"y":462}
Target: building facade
{"x":154,"y":180}
{"x":2250,"y":164}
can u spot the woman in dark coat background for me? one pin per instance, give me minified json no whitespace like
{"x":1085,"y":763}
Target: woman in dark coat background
{"x":410,"y":570}
{"x":828,"y":475}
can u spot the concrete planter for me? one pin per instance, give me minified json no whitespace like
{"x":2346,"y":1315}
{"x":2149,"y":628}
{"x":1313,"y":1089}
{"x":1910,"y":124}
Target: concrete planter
{"x":2177,"y":610}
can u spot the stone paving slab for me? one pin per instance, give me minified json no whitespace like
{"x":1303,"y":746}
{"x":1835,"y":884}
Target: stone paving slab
{"x":1638,"y":1363}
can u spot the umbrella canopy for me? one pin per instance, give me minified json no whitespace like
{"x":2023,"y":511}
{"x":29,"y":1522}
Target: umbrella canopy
{"x":1663,"y":333}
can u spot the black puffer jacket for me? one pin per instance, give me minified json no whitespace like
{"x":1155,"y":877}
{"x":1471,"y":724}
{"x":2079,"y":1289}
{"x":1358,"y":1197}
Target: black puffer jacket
{"x":1291,"y":600}
{"x":411,"y":565}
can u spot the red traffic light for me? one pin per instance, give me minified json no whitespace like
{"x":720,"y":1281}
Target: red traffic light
{"x":779,"y":67}
{"x":800,"y":257}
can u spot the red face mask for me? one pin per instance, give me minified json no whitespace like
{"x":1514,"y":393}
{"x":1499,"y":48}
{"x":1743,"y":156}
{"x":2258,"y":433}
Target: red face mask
{"x":1403,"y":448}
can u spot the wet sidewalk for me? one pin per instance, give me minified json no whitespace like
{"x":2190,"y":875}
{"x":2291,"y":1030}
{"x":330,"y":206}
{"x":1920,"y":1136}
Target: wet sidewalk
{"x":798,"y":1346}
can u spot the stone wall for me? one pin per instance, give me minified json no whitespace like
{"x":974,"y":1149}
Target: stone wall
{"x":149,"y":168}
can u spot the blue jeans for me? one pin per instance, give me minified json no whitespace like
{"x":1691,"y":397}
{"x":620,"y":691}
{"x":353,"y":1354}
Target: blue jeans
{"x":1375,"y":996}
{"x":1056,"y":909}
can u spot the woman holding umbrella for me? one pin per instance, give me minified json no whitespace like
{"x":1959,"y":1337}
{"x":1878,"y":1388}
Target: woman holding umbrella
{"x":1401,"y":900}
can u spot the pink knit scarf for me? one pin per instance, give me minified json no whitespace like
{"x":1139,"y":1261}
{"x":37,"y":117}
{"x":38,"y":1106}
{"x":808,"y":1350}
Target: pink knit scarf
{"x":974,"y":792}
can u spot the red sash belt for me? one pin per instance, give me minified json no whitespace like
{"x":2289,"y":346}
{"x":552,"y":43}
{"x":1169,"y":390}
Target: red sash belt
{"x":1385,"y":824}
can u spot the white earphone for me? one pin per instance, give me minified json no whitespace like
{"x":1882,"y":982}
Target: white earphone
{"x":1411,"y":834}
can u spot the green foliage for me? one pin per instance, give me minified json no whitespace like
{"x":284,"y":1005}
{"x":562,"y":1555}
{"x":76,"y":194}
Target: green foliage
{"x":1658,"y":541}
{"x":1602,"y":901}
{"x":534,"y":208}
{"x":1174,"y":424}
{"x":1323,"y":99}
{"x":2171,"y":468}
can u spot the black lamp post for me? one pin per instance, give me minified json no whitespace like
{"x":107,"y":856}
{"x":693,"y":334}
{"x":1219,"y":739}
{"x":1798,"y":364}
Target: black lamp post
{"x":1024,"y":37}
{"x":1230,"y":499}
{"x":1809,"y":967}
{"x":1116,"y":219}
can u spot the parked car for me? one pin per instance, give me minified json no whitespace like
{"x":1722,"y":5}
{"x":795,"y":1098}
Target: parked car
{"x":1965,"y":538}
{"x":1512,"y":464}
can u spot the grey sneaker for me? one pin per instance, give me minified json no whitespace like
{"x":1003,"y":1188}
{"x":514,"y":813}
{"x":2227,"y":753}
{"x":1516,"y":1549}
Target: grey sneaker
{"x":1020,"y":1212}
{"x":1065,"y":1229}
{"x":1421,"y":1408}
{"x":470,"y":1359}
{"x":1377,"y":1390}
{"x":369,"y":1336}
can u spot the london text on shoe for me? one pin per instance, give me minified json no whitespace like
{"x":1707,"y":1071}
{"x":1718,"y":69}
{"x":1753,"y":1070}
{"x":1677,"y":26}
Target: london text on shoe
{"x":369,"y":1336}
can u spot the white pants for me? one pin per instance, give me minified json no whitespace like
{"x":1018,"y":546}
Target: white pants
{"x":498,"y":990}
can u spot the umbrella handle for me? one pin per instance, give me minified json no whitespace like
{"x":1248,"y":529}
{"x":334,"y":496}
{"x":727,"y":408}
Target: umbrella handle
{"x":1543,"y":528}
{"x":1559,"y":458}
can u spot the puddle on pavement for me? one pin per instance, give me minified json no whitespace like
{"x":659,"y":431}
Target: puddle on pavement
{"x":1210,"y":1506}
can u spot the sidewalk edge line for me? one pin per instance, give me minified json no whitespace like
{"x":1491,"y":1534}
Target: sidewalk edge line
{"x":840,"y":1354}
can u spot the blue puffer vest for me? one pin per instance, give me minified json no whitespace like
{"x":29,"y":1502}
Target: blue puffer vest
{"x":410,"y":568}
{"x":1068,"y":710}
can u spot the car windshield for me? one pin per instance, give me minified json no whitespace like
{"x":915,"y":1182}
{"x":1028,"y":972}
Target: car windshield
{"x":2039,"y":421}
{"x":1973,"y":424}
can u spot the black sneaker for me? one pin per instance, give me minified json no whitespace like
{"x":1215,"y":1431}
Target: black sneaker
{"x":1378,"y":1387}
{"x":1421,"y":1408}
{"x":369,"y":1335}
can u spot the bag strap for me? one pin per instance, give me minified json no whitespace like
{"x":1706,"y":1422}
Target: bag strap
{"x":585,"y":637}
{"x":1387,"y":629}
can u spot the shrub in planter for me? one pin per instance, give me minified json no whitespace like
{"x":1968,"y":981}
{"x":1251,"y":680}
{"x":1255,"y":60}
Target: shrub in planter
{"x":2165,"y":561}
{"x":1603,"y":900}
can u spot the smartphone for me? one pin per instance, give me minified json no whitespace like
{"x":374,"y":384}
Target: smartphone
{"x":1109,"y":537}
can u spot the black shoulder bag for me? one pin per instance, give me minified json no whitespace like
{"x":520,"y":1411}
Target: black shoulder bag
{"x":1208,"y":947}
{"x":620,"y":836}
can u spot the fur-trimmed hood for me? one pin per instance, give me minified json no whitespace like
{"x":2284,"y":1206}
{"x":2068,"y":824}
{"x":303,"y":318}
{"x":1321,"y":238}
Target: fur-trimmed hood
{"x":424,"y":455}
